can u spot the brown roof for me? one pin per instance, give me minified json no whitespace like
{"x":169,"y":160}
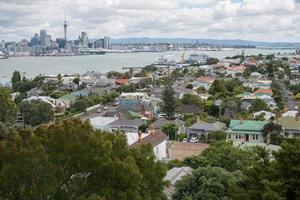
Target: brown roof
{"x":155,"y":139}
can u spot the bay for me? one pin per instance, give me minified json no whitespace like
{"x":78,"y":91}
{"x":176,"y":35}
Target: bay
{"x":33,"y":66}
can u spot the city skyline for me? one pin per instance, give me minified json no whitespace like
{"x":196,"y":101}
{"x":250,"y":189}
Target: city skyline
{"x":259,"y":20}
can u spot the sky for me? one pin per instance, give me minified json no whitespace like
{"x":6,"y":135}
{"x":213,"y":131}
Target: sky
{"x":260,"y":20}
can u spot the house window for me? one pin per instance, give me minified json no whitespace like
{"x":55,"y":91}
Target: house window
{"x":236,"y":136}
{"x":253,"y":137}
{"x":256,"y":137}
{"x":156,"y":150}
{"x":240,"y":136}
{"x":229,"y":136}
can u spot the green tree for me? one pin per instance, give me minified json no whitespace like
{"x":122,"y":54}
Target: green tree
{"x":260,"y":181}
{"x":212,"y":183}
{"x":70,"y":160}
{"x":216,"y":136}
{"x":287,"y":165}
{"x":36,"y":112}
{"x":212,"y":61}
{"x":220,"y":154}
{"x":170,"y":130}
{"x":189,"y":86}
{"x":8,"y":108}
{"x":258,"y":105}
{"x":168,"y":104}
{"x":80,"y":105}
{"x":76,"y":81}
{"x":16,"y":81}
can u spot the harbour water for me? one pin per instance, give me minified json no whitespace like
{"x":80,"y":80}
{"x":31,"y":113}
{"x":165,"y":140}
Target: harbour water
{"x":32,"y":66}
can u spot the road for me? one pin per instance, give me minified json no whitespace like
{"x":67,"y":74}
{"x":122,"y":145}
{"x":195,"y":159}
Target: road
{"x":291,"y":103}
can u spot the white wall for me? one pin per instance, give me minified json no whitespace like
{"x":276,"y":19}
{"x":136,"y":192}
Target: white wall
{"x":160,"y":151}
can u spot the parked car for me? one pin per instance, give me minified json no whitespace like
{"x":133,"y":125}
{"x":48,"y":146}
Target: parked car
{"x":99,"y":110}
{"x":184,"y":140}
{"x":194,"y":140}
{"x":105,"y":108}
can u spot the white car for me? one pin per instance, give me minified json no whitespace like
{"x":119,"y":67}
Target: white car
{"x":194,"y":140}
{"x":105,"y":108}
{"x":99,"y":110}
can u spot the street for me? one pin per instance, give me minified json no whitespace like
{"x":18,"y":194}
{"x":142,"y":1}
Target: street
{"x":290,"y":103}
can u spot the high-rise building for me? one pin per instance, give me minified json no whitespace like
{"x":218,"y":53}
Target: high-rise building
{"x":99,"y":43}
{"x":35,"y":40}
{"x":43,"y":37}
{"x":106,"y":43}
{"x":48,"y":40}
{"x":84,"y":40}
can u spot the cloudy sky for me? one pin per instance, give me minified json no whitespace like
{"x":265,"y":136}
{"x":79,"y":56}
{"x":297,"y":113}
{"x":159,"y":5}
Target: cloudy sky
{"x":262,"y":20}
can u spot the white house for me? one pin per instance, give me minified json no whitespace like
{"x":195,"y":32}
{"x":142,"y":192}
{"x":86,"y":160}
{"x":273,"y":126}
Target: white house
{"x":57,"y":105}
{"x":102,"y":123}
{"x":267,"y":115}
{"x":290,"y":113}
{"x":154,"y":137}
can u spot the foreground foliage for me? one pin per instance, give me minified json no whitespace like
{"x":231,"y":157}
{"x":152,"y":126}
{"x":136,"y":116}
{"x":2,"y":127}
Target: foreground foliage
{"x":69,"y":160}
{"x":226,"y":172}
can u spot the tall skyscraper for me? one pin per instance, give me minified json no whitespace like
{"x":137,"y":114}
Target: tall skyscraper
{"x":48,"y":40}
{"x":43,"y":37}
{"x":65,"y":25}
{"x":106,"y":43}
{"x":35,"y":40}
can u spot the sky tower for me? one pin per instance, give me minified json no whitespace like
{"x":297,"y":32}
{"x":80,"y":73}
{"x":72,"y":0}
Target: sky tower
{"x":65,"y":25}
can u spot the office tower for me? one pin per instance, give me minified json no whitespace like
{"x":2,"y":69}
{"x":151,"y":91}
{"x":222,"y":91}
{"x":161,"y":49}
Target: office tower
{"x":48,"y":40}
{"x":84,"y":40}
{"x":43,"y":37}
{"x":106,"y":43}
{"x":35,"y":40}
{"x":99,"y":44}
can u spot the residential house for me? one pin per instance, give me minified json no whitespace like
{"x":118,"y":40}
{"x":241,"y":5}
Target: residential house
{"x":156,"y":138}
{"x":173,"y":175}
{"x":68,"y":99}
{"x":235,"y":70}
{"x":82,"y":93}
{"x":255,"y":75}
{"x":290,"y":113}
{"x":246,"y":130}
{"x":290,"y":126}
{"x":188,"y":108}
{"x":245,"y":105}
{"x":160,"y":123}
{"x":122,"y":81}
{"x":102,"y":123}
{"x":267,"y":115}
{"x":57,"y":105}
{"x":204,"y":81}
{"x":35,"y":92}
{"x":200,"y":129}
{"x":133,"y":98}
{"x":263,"y":92}
{"x":125,"y":125}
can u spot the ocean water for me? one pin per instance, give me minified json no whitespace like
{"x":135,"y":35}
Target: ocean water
{"x":32,"y":66}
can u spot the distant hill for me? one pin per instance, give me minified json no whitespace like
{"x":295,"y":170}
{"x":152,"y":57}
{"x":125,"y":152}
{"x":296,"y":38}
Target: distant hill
{"x":237,"y":42}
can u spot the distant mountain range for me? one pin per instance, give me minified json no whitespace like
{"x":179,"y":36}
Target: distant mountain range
{"x":238,"y":42}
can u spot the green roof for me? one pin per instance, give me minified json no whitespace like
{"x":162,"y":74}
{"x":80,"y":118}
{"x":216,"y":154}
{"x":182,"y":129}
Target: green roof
{"x":247,"y":125}
{"x":69,"y":97}
{"x":289,"y":123}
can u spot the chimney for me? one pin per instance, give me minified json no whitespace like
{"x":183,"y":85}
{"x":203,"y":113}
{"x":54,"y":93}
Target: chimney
{"x":151,"y":130}
{"x":139,"y":135}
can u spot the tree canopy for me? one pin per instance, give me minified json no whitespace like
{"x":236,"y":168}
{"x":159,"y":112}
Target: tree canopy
{"x":36,"y":112}
{"x":71,"y":160}
{"x":168,"y":104}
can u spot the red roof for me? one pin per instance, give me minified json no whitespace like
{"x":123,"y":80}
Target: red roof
{"x":205,"y":79}
{"x":264,"y":91}
{"x":122,"y":81}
